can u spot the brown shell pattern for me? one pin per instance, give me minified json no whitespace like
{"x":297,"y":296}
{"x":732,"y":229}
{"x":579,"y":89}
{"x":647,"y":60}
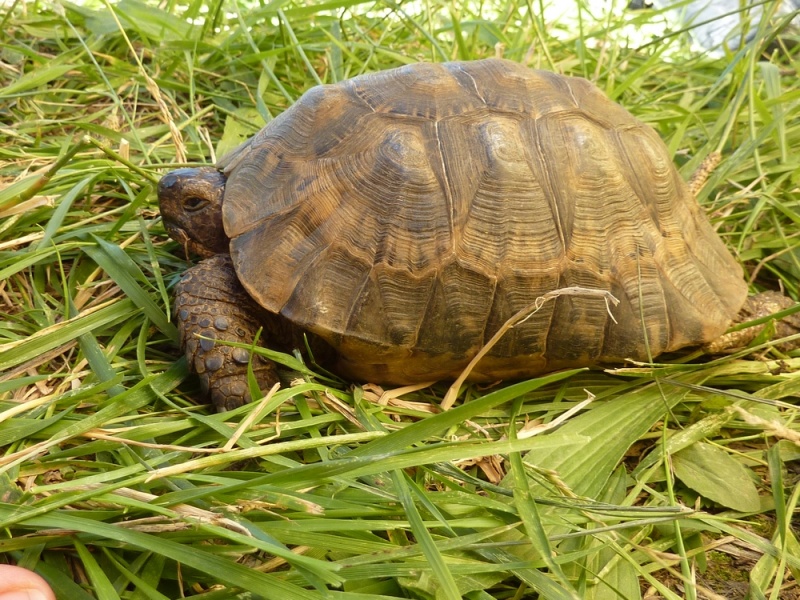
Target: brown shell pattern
{"x":405,"y":216}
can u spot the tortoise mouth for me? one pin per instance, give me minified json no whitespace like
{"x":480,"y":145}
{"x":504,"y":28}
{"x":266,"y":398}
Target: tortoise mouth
{"x":190,"y":246}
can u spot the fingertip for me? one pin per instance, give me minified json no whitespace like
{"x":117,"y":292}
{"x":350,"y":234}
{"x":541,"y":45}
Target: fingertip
{"x":17,"y":583}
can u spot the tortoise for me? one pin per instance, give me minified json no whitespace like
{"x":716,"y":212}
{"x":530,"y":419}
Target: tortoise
{"x":400,"y":218}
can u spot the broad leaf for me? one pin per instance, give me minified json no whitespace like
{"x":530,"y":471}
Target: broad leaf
{"x":715,"y":475}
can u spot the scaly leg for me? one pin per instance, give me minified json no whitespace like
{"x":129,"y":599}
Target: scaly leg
{"x":210,"y":304}
{"x":755,"y":307}
{"x":703,"y":172}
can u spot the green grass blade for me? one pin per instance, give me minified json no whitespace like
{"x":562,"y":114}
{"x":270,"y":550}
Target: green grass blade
{"x":64,"y":333}
{"x":435,"y":425}
{"x":266,"y":585}
{"x":100,"y":582}
{"x":447,"y":587}
{"x":130,"y":278}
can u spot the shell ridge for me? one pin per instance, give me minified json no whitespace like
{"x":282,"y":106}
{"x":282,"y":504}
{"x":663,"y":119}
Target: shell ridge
{"x":651,"y":347}
{"x":545,"y":339}
{"x":446,"y":189}
{"x":495,"y":281}
{"x":355,"y":307}
{"x":309,"y":308}
{"x":353,"y":89}
{"x":547,"y":185}
{"x":460,"y":67}
{"x":670,"y":323}
{"x":573,"y":96}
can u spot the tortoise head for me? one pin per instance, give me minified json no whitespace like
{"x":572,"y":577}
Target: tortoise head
{"x":191,"y":207}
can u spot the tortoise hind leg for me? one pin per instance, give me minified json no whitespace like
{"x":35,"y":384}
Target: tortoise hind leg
{"x":756,"y":307}
{"x":210,"y":304}
{"x":703,"y":172}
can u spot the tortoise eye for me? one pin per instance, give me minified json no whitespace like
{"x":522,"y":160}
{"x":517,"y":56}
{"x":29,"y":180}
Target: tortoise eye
{"x":194,"y":203}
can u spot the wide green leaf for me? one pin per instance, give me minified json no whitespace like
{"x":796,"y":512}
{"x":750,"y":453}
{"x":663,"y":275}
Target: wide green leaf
{"x":714,"y":474}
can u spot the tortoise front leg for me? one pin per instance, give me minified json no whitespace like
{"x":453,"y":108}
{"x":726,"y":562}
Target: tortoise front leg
{"x":211,"y":303}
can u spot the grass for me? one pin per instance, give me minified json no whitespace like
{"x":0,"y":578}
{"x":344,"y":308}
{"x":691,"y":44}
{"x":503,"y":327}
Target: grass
{"x":116,"y":483}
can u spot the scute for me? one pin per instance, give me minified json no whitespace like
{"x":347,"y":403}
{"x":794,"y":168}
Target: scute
{"x":405,"y":216}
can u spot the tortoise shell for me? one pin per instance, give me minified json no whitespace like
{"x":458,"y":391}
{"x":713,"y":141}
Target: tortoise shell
{"x":405,"y":216}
